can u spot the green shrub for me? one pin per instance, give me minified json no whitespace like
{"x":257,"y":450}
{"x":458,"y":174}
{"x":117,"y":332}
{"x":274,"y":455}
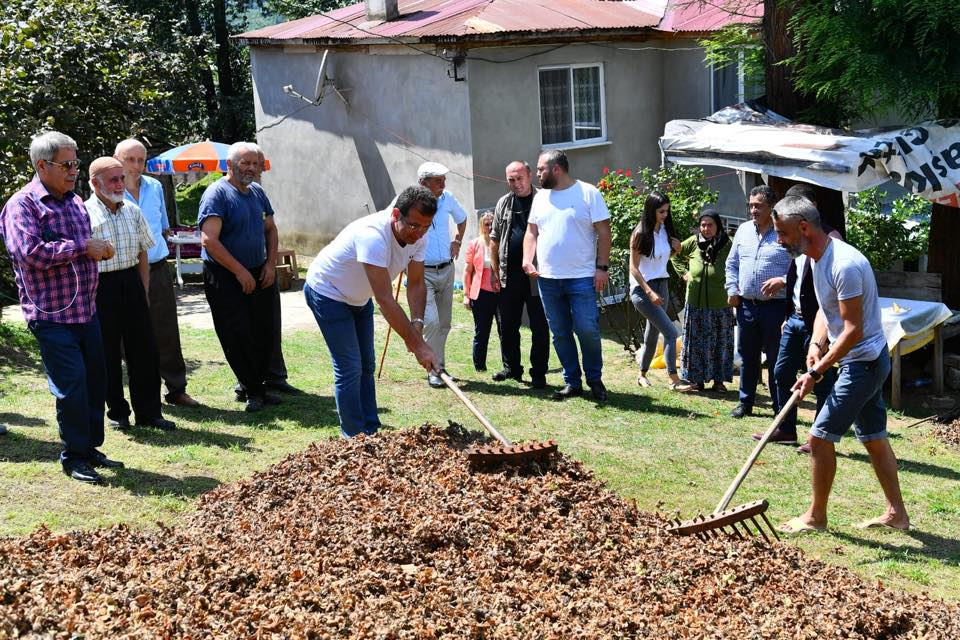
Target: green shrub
{"x":188,"y":198}
{"x":884,"y":237}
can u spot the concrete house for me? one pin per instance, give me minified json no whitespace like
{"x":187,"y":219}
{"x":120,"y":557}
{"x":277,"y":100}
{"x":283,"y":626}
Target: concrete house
{"x":472,"y":84}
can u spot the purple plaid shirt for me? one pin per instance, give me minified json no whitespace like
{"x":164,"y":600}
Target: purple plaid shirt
{"x":47,"y":241}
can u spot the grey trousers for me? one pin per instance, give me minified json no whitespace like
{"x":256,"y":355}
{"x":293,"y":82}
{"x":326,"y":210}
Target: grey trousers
{"x":436,"y":317}
{"x":166,"y":328}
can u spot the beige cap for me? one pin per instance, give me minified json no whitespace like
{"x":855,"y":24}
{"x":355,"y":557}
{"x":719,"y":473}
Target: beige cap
{"x":431,"y":170}
{"x":103,"y":163}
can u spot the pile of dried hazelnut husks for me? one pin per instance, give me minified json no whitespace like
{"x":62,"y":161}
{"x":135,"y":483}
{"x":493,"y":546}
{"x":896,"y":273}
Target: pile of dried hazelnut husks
{"x":948,"y":434}
{"x":395,"y":537}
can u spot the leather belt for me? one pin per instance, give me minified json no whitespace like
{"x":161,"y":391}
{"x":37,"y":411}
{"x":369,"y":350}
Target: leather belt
{"x":442,"y":265}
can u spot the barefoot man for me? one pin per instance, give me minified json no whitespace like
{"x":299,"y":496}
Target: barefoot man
{"x":847,"y":330}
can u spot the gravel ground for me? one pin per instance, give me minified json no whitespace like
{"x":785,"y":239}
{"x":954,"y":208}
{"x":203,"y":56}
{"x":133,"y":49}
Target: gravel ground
{"x":395,"y":537}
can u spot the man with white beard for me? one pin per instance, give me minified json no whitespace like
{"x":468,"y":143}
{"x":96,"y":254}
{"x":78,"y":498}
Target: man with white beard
{"x":125,"y":323}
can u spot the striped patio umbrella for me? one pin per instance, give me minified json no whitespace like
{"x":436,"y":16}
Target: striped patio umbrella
{"x":196,"y":157}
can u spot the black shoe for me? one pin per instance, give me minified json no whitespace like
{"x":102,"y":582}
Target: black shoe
{"x":121,"y":424}
{"x":269,"y":398}
{"x":254,"y":404}
{"x":741,"y":410}
{"x":567,"y":392}
{"x":539,"y":382}
{"x":83,"y":472}
{"x":282,"y":386}
{"x":158,"y":423}
{"x":239,"y":394}
{"x":435,"y":381}
{"x":100,"y":459}
{"x":599,"y":391}
{"x":507,"y":374}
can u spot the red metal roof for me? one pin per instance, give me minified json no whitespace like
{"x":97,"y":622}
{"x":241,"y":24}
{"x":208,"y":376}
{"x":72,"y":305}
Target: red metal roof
{"x":451,"y":19}
{"x":710,"y":15}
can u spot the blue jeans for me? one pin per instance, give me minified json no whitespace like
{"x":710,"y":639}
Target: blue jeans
{"x":759,"y":324}
{"x":794,"y":343}
{"x":570,"y":305}
{"x":658,"y":322}
{"x":73,"y":358}
{"x":348,"y":331}
{"x":857,"y":399}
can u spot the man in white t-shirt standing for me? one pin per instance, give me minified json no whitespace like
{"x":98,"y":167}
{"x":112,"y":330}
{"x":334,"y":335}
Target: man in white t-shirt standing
{"x":361,"y":262}
{"x":569,"y":233}
{"x":848,"y":331}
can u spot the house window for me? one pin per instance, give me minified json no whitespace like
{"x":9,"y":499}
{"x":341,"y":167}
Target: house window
{"x":731,"y":86}
{"x":572,"y":104}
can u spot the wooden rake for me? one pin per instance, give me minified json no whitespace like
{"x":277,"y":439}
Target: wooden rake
{"x":506,"y":451}
{"x":733,"y":522}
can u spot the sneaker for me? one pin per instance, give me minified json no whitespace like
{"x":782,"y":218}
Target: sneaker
{"x":741,"y":410}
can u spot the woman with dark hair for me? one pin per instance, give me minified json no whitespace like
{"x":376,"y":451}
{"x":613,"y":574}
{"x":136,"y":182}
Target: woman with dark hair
{"x":707,"y":352}
{"x":651,"y":246}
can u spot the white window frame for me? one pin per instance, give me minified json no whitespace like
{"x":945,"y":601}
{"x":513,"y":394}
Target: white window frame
{"x":573,"y":144}
{"x":741,"y":84}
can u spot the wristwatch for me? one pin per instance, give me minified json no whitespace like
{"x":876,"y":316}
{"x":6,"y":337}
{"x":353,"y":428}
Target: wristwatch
{"x":603,"y":267}
{"x":417,"y":321}
{"x":817,"y":377}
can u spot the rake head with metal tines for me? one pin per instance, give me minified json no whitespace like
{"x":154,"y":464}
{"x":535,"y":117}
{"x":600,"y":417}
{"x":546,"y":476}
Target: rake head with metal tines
{"x":733,"y":522}
{"x":505,"y":452}
{"x":514,"y":454}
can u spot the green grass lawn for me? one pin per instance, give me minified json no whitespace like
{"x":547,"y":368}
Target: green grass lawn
{"x":670,"y":452}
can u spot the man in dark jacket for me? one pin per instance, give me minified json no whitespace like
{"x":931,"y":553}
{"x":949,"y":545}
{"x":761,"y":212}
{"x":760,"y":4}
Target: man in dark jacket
{"x":797,"y":328}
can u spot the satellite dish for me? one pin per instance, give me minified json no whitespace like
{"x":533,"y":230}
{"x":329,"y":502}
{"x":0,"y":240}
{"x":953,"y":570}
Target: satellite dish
{"x":321,"y":78}
{"x":321,"y":86}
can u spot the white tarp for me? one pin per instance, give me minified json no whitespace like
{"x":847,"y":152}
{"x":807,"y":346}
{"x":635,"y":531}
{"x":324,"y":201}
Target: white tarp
{"x":923,"y":158}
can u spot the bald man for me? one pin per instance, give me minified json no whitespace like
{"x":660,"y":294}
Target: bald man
{"x":147,"y":193}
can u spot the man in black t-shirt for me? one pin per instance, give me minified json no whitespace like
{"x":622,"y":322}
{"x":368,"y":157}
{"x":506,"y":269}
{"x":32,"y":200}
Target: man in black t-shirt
{"x":516,"y":287}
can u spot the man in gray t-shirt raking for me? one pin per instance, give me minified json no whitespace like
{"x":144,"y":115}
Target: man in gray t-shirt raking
{"x":847,"y":331}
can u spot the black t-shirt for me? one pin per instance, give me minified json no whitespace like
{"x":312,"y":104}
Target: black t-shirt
{"x":518,"y":227}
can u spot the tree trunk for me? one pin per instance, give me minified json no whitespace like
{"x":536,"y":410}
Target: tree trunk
{"x":221,"y":34}
{"x":782,"y":97}
{"x":942,"y":254}
{"x":195,"y":29}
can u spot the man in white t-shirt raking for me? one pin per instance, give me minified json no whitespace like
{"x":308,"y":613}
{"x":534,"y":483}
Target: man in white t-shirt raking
{"x":848,"y":331}
{"x":569,"y":233}
{"x":361,"y":262}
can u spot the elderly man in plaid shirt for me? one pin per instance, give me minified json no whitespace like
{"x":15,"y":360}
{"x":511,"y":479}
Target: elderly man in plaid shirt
{"x":122,"y":299}
{"x":47,"y":232}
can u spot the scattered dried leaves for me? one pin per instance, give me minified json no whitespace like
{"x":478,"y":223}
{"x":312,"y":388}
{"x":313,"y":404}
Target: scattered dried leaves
{"x":395,"y":537}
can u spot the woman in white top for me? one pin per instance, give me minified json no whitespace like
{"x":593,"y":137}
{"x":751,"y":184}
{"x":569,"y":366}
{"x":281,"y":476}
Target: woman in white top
{"x":652,"y":244}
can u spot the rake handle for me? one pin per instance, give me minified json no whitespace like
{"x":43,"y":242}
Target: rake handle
{"x":447,"y":380}
{"x":383,"y":356}
{"x":745,"y":469}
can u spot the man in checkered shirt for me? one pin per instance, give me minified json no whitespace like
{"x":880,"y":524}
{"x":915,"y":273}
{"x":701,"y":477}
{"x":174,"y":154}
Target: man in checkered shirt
{"x":125,"y":322}
{"x":47,"y":233}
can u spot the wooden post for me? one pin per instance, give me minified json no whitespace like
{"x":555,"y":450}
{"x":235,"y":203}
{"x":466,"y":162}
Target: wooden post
{"x":938,"y":359}
{"x":895,"y":379}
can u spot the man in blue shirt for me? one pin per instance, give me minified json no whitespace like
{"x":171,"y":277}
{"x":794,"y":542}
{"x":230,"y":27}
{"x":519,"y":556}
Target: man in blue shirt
{"x":438,"y":262}
{"x":756,"y":276}
{"x":147,"y":193}
{"x":239,"y":240}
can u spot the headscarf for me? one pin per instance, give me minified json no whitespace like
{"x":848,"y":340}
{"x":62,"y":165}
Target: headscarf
{"x":710,"y":249}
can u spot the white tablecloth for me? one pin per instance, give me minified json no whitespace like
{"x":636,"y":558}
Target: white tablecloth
{"x":913,"y":324}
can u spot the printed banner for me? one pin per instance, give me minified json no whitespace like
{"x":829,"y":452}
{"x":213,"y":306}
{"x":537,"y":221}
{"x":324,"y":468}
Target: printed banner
{"x":924,"y":158}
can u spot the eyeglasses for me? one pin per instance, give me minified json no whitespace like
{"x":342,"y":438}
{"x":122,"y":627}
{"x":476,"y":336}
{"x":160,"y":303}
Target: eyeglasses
{"x":416,"y":228}
{"x":68,"y":165}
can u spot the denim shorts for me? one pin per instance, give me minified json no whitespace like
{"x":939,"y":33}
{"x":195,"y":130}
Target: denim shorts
{"x":857,"y":399}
